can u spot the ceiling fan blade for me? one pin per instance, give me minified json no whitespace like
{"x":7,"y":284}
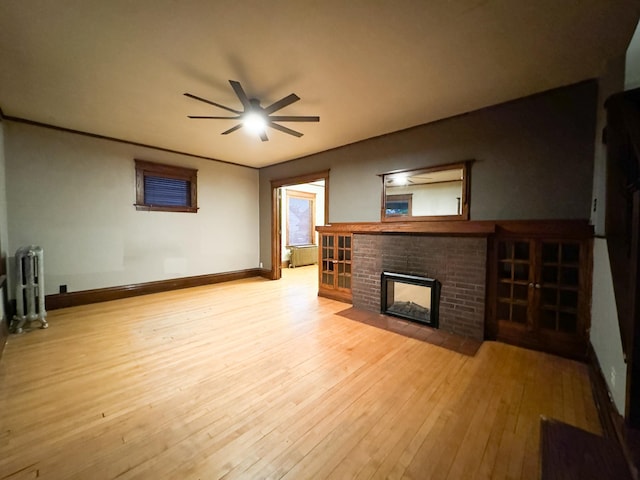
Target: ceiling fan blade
{"x":215,"y":118}
{"x":232,"y":129}
{"x":284,"y":129}
{"x":211,"y":103}
{"x":285,"y":118}
{"x":283,"y":102}
{"x":263,"y":136}
{"x":241,"y":94}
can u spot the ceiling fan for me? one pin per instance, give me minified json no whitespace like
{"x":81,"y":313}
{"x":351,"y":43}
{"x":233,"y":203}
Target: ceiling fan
{"x":255,"y":117}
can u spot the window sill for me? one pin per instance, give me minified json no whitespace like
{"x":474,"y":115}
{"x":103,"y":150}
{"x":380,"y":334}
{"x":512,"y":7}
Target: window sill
{"x":164,"y":208}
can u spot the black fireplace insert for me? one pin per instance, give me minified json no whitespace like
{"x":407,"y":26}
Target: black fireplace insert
{"x":411,"y":297}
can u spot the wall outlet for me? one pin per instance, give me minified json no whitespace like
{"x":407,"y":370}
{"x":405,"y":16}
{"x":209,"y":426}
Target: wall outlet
{"x":260,"y":264}
{"x":613,"y":377}
{"x":63,"y":289}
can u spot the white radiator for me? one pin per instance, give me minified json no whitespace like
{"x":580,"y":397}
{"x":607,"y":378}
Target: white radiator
{"x":303,"y":255}
{"x":29,"y":288}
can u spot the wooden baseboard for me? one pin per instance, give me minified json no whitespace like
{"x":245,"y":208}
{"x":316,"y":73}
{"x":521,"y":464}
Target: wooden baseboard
{"x":72,"y":299}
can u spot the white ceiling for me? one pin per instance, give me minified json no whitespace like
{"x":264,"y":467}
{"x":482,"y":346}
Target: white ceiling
{"x":118,"y":68}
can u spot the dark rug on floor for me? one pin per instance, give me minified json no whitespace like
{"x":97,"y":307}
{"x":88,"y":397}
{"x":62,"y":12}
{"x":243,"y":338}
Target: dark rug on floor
{"x":568,"y":452}
{"x":463,"y":345}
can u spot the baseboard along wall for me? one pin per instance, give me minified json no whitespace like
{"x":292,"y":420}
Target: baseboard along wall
{"x":85,"y":297}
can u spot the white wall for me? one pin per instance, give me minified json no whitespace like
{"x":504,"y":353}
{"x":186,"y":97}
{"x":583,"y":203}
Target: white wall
{"x":605,"y":329}
{"x":73,"y":195}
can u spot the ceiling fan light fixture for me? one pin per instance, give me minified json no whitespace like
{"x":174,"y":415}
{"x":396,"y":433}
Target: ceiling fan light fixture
{"x":254,"y":122}
{"x":401,"y":179}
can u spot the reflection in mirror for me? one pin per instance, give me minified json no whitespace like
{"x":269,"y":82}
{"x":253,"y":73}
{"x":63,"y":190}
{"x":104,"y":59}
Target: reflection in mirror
{"x":434,"y":193}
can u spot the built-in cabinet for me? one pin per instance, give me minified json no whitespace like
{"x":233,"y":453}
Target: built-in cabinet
{"x":538,"y":276}
{"x":540,"y":292}
{"x":335,"y":268}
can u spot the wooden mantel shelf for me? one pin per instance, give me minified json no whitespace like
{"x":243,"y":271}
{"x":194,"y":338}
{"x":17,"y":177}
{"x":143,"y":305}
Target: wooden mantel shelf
{"x":566,"y":228}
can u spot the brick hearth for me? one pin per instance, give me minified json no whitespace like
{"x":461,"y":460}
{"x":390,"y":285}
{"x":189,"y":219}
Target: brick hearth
{"x":459,"y":263}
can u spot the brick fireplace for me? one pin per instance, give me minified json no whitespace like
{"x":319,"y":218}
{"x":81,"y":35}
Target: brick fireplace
{"x":458,"y":263}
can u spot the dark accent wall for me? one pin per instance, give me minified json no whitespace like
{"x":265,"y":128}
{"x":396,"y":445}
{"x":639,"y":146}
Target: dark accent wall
{"x":533,"y":160}
{"x":459,"y":263}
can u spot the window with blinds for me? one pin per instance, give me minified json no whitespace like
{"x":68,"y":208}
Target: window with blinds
{"x":165,"y":187}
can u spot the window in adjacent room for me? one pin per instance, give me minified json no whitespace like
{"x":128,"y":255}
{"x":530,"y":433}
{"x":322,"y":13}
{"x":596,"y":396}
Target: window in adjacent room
{"x":301,"y":216}
{"x":166,"y":188}
{"x":399,"y":205}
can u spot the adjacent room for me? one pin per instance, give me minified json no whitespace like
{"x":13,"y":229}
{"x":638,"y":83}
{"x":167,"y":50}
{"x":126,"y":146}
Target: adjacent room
{"x":319,"y":240}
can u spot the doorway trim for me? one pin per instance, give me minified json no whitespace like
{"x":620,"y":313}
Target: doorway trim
{"x":276,"y":231}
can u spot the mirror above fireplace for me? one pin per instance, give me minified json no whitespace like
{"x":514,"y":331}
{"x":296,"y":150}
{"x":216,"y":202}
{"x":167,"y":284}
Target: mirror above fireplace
{"x":430,"y":193}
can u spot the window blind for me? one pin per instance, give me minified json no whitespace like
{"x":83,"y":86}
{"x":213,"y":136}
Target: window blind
{"x":172,"y":192}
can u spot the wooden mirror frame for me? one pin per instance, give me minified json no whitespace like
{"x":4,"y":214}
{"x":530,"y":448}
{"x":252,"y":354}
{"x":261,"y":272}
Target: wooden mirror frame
{"x":464,"y":201}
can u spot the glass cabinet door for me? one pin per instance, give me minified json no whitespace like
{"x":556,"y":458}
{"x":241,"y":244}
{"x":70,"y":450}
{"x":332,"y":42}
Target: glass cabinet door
{"x":560,"y":286}
{"x":335,"y":261}
{"x":344,"y":262}
{"x":515,"y":274}
{"x":541,"y":297}
{"x":327,"y":275}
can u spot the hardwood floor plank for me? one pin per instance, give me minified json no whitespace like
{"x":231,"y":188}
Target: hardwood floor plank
{"x":261,"y":379}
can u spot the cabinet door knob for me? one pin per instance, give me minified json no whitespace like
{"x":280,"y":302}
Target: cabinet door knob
{"x":538,"y":285}
{"x":531,"y":285}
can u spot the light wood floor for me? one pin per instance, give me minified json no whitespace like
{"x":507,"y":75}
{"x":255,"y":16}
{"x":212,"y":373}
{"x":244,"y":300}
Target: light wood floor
{"x":260,"y":379}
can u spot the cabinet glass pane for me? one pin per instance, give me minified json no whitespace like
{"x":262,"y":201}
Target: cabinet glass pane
{"x":549,"y":296}
{"x":521,"y":271}
{"x":502,"y":250}
{"x":504,"y":270}
{"x":550,"y":253}
{"x":521,"y":250}
{"x":567,"y":322}
{"x":568,"y":299}
{"x":520,"y":292}
{"x":504,"y":290}
{"x":570,"y":253}
{"x":549,"y":274}
{"x":569,"y":276}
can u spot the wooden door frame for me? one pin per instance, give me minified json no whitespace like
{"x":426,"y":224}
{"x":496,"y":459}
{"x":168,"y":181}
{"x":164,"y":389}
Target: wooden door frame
{"x":276,"y":233}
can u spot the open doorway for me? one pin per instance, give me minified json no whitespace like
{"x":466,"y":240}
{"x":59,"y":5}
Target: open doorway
{"x":299,"y":204}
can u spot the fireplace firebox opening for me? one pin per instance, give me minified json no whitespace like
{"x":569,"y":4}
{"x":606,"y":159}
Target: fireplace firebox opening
{"x":411,"y":297}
